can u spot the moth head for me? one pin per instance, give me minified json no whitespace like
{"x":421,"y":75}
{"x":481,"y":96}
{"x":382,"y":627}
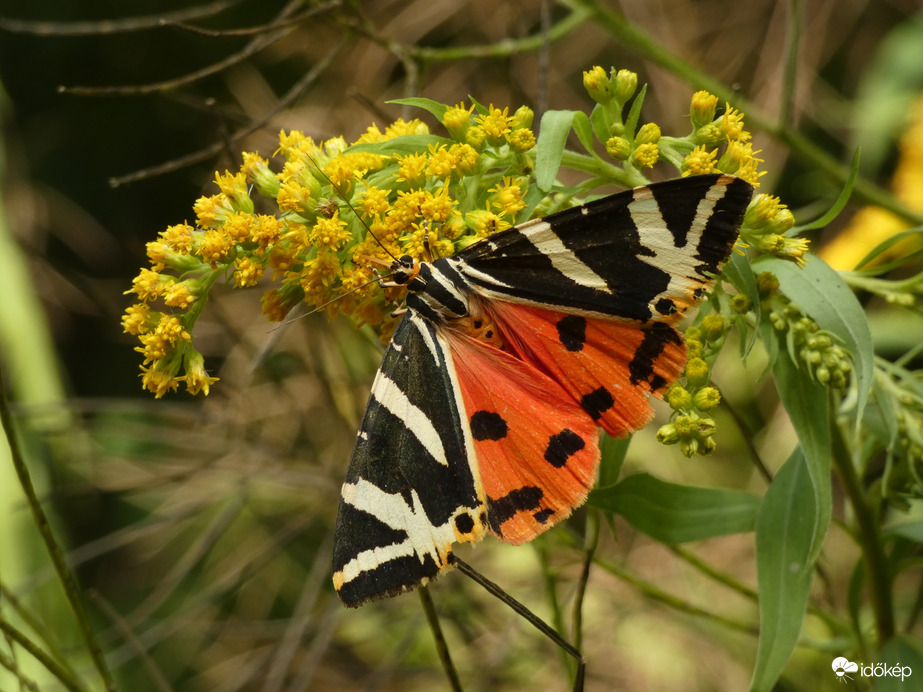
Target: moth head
{"x":404,"y":269}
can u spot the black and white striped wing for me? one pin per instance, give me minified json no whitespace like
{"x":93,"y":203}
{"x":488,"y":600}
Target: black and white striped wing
{"x":412,"y":488}
{"x":641,"y":255}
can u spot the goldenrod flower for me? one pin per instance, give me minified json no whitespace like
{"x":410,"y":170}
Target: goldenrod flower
{"x":495,"y":124}
{"x":508,"y":197}
{"x":703,"y":109}
{"x":196,"y":379}
{"x":136,"y":319}
{"x":158,"y":381}
{"x":649,"y":133}
{"x":732,"y":123}
{"x":411,"y":168}
{"x":646,"y":155}
{"x":457,"y":120}
{"x":597,"y":85}
{"x":618,"y":148}
{"x":700,"y":162}
{"x":148,"y":285}
{"x":624,"y":85}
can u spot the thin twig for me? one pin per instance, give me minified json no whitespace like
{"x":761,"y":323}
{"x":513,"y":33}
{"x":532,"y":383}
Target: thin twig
{"x":251,"y":30}
{"x":255,"y":46}
{"x":156,"y":675}
{"x":175,"y":164}
{"x":429,"y":608}
{"x":112,"y":26}
{"x":54,"y":550}
{"x":790,"y":82}
{"x":876,"y":563}
{"x":526,"y":614}
{"x":591,"y":541}
{"x":53,"y":667}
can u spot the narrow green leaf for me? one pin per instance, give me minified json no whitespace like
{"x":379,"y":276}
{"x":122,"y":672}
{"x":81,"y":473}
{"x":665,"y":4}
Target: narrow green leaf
{"x":673,"y":513}
{"x":634,"y":113}
{"x":584,"y":130}
{"x":599,"y":118}
{"x":612,"y":456}
{"x":886,"y":245}
{"x":552,"y":137}
{"x":740,"y":273}
{"x":904,"y":652}
{"x":437,"y":109}
{"x":784,"y":530}
{"x":808,"y":407}
{"x":837,"y":207}
{"x":405,"y":144}
{"x":820,"y":291}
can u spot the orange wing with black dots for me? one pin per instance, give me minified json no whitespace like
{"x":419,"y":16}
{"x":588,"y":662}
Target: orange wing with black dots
{"x":537,"y":449}
{"x":610,"y":369}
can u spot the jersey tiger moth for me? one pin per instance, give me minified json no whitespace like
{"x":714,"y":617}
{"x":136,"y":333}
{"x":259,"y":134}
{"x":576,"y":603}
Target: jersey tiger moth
{"x":485,"y":411}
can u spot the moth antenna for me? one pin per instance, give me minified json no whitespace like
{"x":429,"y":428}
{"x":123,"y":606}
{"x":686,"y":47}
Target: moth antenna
{"x":353,"y":209}
{"x":533,"y":619}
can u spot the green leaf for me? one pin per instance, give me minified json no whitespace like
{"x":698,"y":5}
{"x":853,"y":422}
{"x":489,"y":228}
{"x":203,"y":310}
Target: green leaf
{"x":821,"y":293}
{"x":437,"y":109}
{"x":784,"y":536}
{"x":584,"y":130}
{"x":675,"y":514}
{"x":634,"y":113}
{"x":885,"y":245}
{"x":905,"y":652}
{"x":837,"y":207}
{"x":612,"y":456}
{"x":599,"y":119}
{"x":403,"y":145}
{"x":552,"y":137}
{"x":808,"y":407}
{"x":740,"y":273}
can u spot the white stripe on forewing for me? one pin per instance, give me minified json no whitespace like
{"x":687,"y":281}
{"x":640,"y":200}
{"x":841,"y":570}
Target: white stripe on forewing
{"x":390,"y":396}
{"x":392,"y":510}
{"x":420,"y":323}
{"x":546,"y":241}
{"x":679,"y":263}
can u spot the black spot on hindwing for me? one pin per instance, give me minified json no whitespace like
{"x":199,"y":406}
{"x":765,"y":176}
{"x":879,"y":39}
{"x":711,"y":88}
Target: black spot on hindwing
{"x":464,"y":524}
{"x":572,"y":332}
{"x":521,"y":499}
{"x":641,"y":367}
{"x":562,"y":447}
{"x":665,"y":306}
{"x":488,"y":425}
{"x":597,"y":402}
{"x":543,"y":515}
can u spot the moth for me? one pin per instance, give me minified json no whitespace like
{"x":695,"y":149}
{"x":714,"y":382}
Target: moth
{"x":484,"y":416}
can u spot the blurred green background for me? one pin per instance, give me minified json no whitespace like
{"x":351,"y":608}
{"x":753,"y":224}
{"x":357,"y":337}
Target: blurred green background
{"x":201,"y":528}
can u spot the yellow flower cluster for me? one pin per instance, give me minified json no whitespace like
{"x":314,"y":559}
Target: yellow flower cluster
{"x":345,"y":212}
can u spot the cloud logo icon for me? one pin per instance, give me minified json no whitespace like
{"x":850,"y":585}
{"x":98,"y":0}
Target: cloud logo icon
{"x":842,"y":665}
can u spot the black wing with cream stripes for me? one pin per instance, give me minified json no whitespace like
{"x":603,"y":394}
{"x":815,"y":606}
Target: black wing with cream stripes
{"x":641,"y":255}
{"x":413,"y":487}
{"x":411,"y":490}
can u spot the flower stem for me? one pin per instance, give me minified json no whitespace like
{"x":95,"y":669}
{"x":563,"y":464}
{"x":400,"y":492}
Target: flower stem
{"x":869,"y":538}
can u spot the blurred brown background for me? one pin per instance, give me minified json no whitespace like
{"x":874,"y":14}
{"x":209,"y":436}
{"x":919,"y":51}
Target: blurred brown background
{"x":204,"y":526}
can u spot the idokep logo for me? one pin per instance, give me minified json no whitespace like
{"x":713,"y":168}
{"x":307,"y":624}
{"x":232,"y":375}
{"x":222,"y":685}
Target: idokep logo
{"x":842,"y":666}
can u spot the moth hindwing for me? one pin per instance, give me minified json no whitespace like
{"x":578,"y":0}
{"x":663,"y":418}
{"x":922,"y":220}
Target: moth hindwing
{"x":484,"y":412}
